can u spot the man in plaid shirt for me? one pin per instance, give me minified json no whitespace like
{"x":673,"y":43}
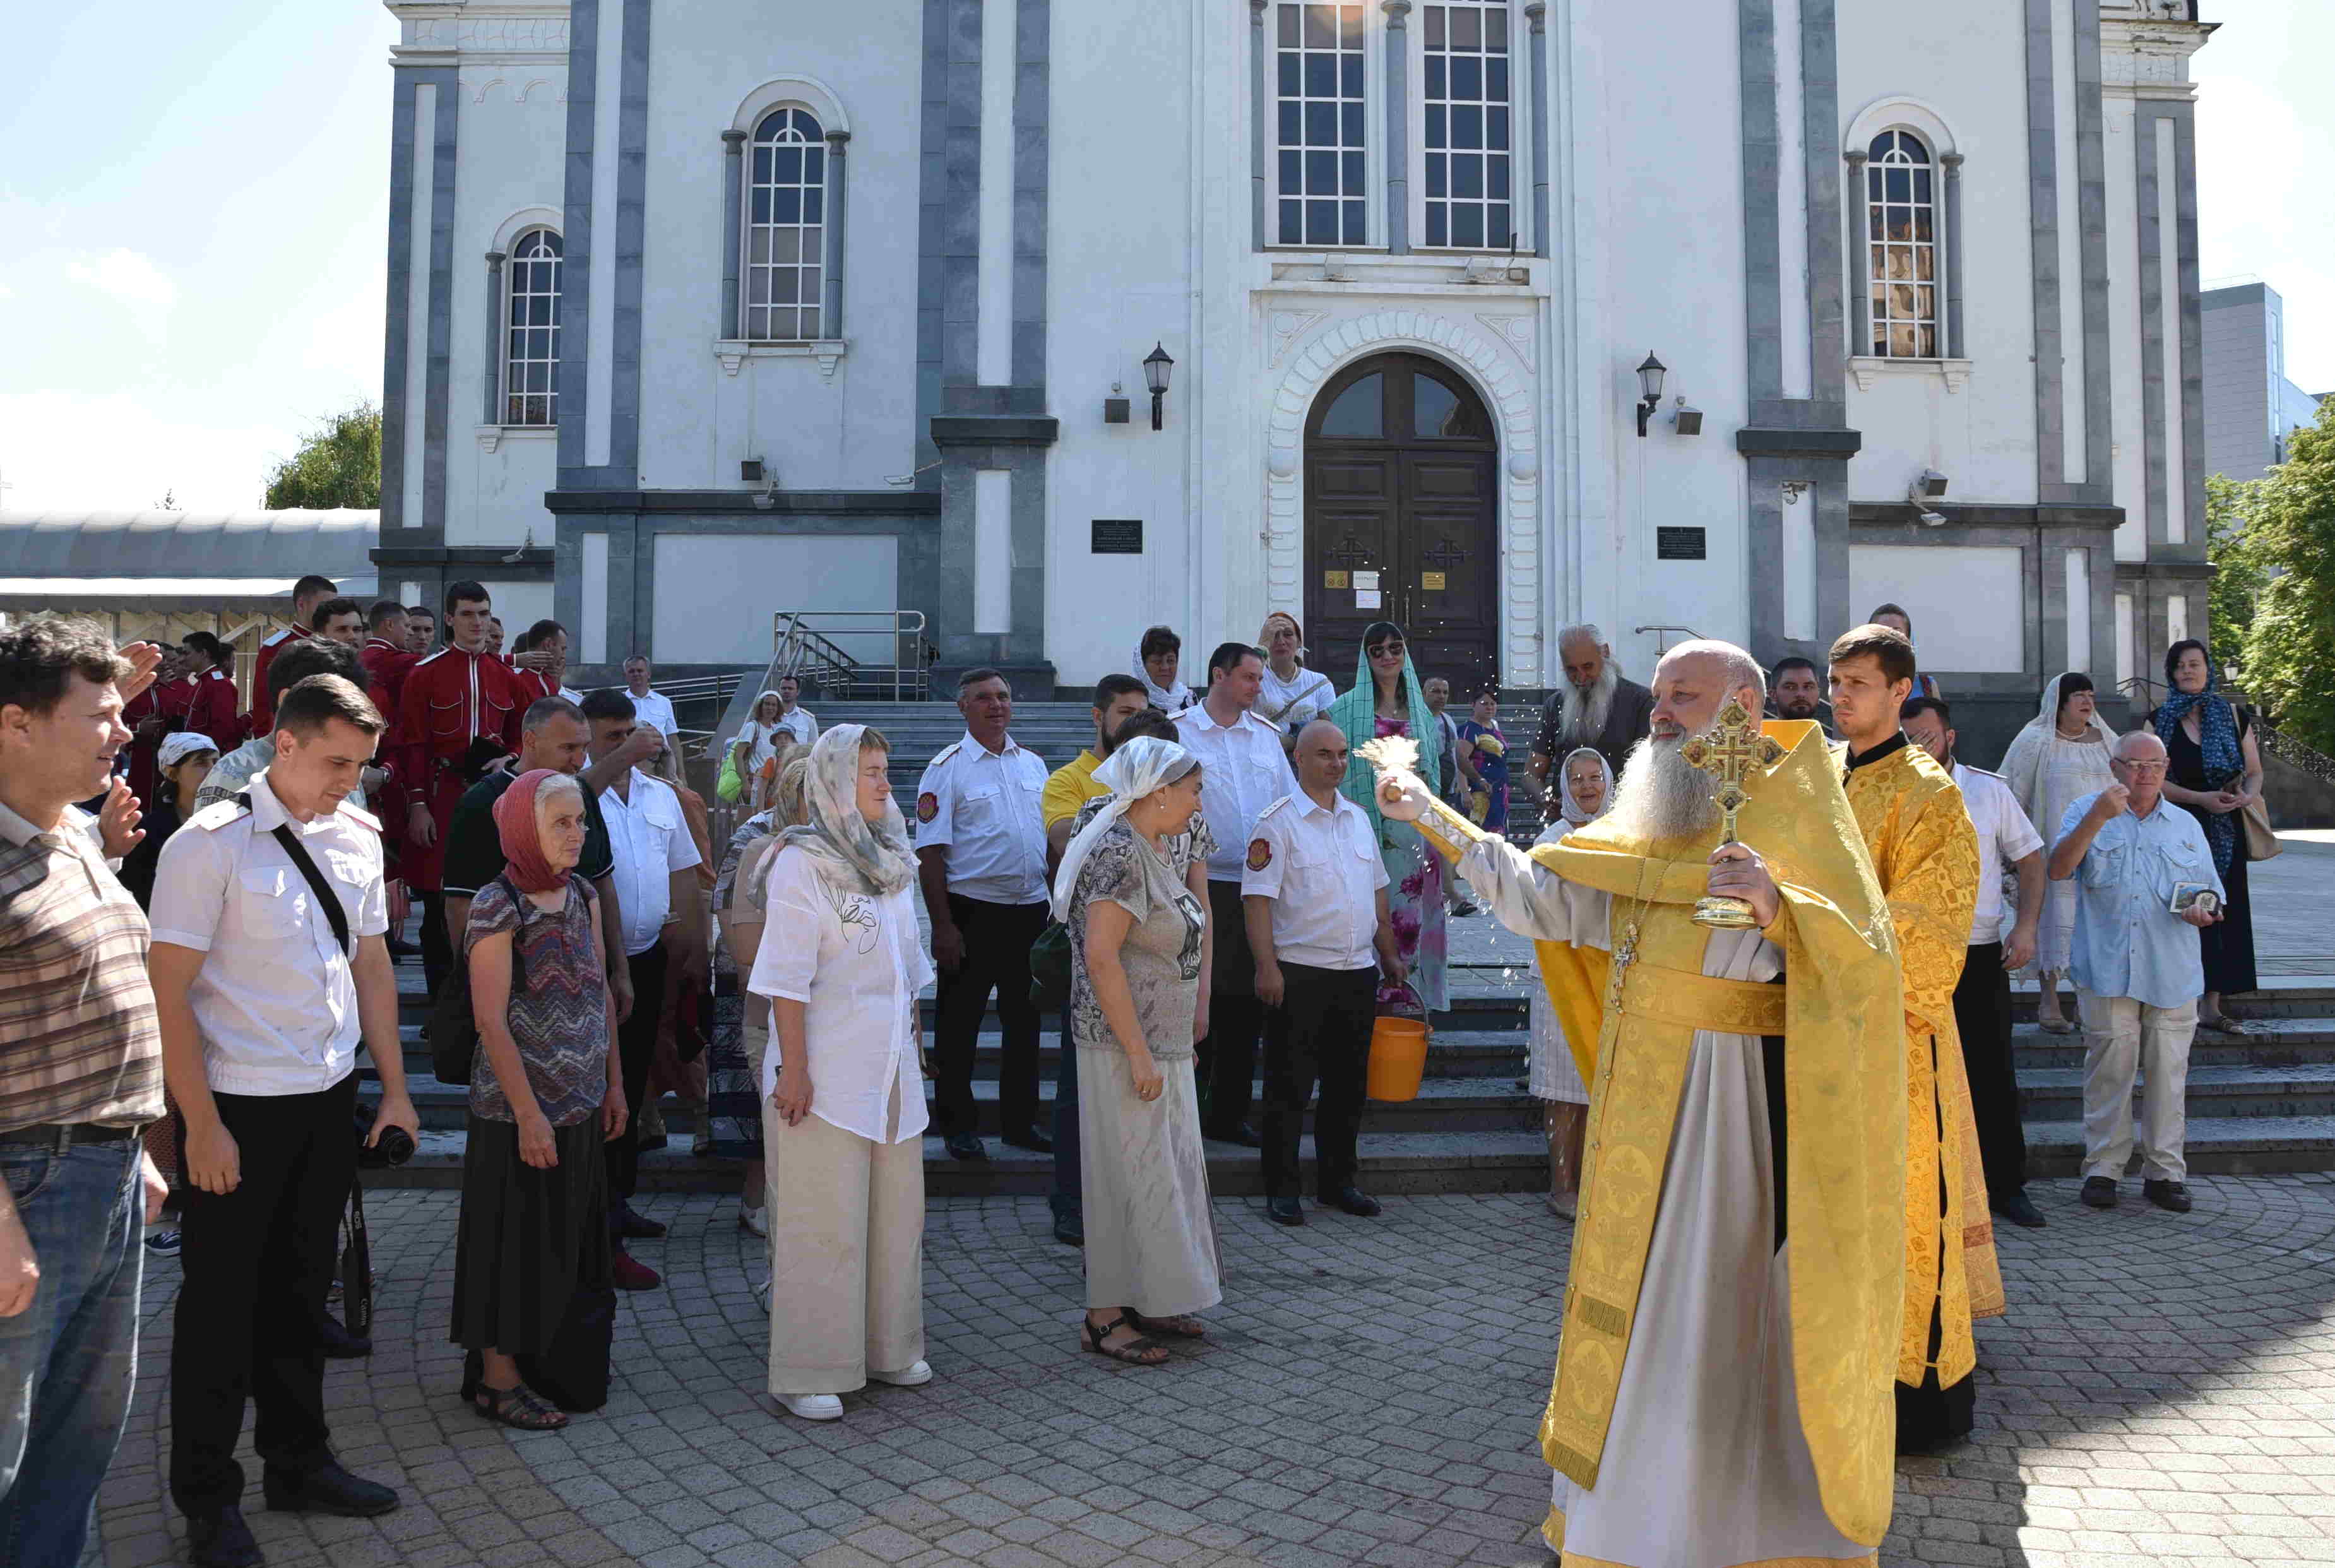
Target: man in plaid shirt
{"x":81,"y":1073}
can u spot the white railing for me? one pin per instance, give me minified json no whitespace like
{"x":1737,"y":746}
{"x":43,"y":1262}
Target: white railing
{"x":811,"y":646}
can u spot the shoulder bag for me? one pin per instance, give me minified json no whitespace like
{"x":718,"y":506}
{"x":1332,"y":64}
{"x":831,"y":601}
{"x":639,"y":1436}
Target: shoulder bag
{"x":453,"y":1030}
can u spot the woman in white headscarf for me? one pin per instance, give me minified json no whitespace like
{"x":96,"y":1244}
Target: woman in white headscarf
{"x":844,"y":1118}
{"x":1156,"y":657}
{"x":1138,"y":947}
{"x":1584,"y":792}
{"x":2061,"y":756}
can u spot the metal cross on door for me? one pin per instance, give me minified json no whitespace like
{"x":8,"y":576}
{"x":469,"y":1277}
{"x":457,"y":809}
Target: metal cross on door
{"x":1350,"y":554}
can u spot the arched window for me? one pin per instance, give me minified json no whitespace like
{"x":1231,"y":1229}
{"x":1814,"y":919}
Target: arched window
{"x":1902,"y":240}
{"x":531,"y":331}
{"x":785,"y":239}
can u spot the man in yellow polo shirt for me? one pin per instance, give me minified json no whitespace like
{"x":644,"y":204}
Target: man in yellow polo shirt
{"x":1117,"y":698}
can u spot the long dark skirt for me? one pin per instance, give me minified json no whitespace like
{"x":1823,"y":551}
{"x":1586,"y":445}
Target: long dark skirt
{"x":529,"y":1238}
{"x":2227,"y":946}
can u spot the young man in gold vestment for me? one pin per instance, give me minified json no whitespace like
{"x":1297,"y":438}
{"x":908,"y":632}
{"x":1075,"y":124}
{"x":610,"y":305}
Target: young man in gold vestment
{"x":1731,"y":1317}
{"x":1926,"y":853}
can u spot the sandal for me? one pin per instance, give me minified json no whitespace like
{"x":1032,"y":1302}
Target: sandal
{"x":1182,"y":1326}
{"x":518,"y":1406}
{"x":1144,"y":1352}
{"x":2058,"y":1025}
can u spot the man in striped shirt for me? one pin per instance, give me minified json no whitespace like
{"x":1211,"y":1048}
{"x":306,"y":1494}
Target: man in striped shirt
{"x":81,"y":1073}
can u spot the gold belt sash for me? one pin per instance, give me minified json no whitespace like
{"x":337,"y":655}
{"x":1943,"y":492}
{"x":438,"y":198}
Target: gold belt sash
{"x":1703,"y":1001}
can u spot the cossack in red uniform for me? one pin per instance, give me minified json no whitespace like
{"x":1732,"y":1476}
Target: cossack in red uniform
{"x":169,"y":701}
{"x":447,"y":699}
{"x":385,"y":666}
{"x":262,"y":712}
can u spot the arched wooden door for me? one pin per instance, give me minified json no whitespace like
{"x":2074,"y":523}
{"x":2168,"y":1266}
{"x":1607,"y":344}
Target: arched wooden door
{"x":1399,"y":492}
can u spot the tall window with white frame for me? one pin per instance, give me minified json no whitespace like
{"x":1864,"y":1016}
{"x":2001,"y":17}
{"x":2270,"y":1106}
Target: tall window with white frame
{"x":1468,"y":127}
{"x":1322,"y":165}
{"x":531,"y":332}
{"x":1901,"y":246}
{"x":785,"y":237}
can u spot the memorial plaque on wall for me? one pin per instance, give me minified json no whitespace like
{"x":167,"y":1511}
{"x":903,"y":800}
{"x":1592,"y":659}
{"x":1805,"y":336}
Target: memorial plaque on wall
{"x":1117,"y":536}
{"x":1679,"y":544}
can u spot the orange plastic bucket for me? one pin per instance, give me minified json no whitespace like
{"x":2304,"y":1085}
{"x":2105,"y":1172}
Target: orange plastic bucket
{"x":1398,"y":1057}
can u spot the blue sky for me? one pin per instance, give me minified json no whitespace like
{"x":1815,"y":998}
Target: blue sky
{"x":191,"y":229}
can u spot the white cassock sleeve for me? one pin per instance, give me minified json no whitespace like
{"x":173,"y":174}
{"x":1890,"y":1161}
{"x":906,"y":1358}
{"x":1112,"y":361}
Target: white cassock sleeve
{"x":1533,"y":901}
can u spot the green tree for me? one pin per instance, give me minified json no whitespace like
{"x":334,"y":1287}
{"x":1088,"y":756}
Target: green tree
{"x":2289,"y":646}
{"x":2232,"y":507}
{"x":339,"y":465}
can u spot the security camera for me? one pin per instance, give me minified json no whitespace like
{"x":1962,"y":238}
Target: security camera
{"x":1930,"y":485}
{"x":1933,"y":520}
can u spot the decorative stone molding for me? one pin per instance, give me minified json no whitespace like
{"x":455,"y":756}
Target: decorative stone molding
{"x":493,"y":436}
{"x":1508,"y":391}
{"x":1413,"y":273}
{"x":540,"y":27}
{"x":521,"y":88}
{"x":1870,"y":368}
{"x":1517,"y":331}
{"x":1285,"y":326}
{"x":733,"y":353}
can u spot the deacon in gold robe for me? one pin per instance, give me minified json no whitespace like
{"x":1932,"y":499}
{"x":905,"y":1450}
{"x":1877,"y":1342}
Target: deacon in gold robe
{"x":1721,"y":1395}
{"x":1926,"y":853}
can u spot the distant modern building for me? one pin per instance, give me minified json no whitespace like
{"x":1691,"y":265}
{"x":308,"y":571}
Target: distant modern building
{"x":2249,"y":405}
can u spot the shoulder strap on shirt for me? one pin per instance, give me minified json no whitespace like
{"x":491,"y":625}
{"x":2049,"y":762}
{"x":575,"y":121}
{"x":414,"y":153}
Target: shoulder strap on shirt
{"x":338,"y":916}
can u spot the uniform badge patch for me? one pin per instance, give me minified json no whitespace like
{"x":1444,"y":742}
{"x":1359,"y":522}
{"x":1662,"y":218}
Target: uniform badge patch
{"x":1260,"y":853}
{"x":928,"y":806}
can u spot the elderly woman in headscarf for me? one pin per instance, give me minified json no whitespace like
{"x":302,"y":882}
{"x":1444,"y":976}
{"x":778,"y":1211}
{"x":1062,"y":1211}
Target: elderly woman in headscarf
{"x":546,"y":1091}
{"x":2215,"y":771}
{"x":2061,"y":756}
{"x":1584,"y":785}
{"x":1291,"y":696}
{"x":1138,"y":949}
{"x":843,"y":1125}
{"x":1156,"y":657}
{"x":1386,"y":699}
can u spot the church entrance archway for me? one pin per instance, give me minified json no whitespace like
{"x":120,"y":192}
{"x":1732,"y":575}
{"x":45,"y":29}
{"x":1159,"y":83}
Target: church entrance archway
{"x":1400,"y":520}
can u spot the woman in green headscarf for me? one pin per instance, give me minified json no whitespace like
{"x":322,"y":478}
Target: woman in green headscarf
{"x":1386,"y":699}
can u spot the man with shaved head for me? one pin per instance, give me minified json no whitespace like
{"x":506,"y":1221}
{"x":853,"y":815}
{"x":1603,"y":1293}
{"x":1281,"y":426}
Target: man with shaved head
{"x":1731,"y":1320}
{"x":2145,"y":886}
{"x":1595,"y":707}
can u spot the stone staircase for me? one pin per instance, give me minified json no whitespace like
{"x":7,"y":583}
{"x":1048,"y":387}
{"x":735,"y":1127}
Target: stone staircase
{"x":2261,"y":1104}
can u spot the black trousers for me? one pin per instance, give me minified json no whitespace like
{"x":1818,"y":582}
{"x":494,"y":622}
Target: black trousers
{"x":636,"y":1048}
{"x":1225,"y":1062}
{"x":1983,"y":1017}
{"x":437,"y":945}
{"x":1321,"y":1032}
{"x":255,"y":1266}
{"x":997,"y":938}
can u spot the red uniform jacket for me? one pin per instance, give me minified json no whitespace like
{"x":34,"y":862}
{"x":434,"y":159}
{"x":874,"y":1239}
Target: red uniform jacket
{"x":385,"y":665}
{"x":262,"y":711}
{"x":168,"y":704}
{"x":447,"y":699}
{"x":537,"y":686}
{"x":212,"y":711}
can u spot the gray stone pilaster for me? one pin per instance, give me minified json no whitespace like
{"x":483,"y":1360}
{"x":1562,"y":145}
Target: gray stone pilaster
{"x":579,"y":266}
{"x":399,"y":423}
{"x":1544,"y":136}
{"x":1762,"y":161}
{"x":604,"y":250}
{"x":830,"y":303}
{"x":632,"y":244}
{"x":1953,"y":214}
{"x":496,"y":313}
{"x":1260,"y":115}
{"x":2092,"y":250}
{"x":1032,"y":155}
{"x":733,"y":230}
{"x":1398,"y":126}
{"x":397,"y":340}
{"x":1860,"y":254}
{"x":1820,"y":155}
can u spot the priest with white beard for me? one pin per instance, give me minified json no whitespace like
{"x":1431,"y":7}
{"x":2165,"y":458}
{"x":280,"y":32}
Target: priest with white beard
{"x":1723,"y":1389}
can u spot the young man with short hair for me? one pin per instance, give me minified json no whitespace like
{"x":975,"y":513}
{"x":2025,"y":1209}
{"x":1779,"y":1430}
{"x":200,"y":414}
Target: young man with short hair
{"x":342,"y":621}
{"x":421,"y":629}
{"x":385,"y":656}
{"x":1794,"y":688}
{"x":270,"y":972}
{"x":80,"y":1074}
{"x":295,"y":662}
{"x":307,"y":594}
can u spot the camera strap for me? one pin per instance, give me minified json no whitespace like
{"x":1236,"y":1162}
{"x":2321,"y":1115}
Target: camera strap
{"x":314,"y":877}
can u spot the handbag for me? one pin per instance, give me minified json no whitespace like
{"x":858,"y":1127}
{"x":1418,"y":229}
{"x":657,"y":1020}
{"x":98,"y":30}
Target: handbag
{"x":730,"y":785}
{"x":1050,"y":968}
{"x":453,"y":1030}
{"x":2261,"y":844}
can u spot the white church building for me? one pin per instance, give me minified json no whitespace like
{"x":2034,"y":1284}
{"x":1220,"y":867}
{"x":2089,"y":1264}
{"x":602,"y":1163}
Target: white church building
{"x":700,"y":310}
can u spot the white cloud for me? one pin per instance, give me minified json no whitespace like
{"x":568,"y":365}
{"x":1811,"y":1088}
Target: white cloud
{"x":128,"y":275}
{"x":76,"y":451}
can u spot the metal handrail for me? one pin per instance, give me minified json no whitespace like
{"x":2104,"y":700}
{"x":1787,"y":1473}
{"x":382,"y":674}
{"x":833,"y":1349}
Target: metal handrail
{"x":1661,"y":643}
{"x":803,"y":645}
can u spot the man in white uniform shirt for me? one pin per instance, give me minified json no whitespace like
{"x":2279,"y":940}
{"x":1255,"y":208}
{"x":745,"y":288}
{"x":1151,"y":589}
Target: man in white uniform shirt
{"x":656,"y":892}
{"x":1982,"y":995}
{"x":1314,"y":888}
{"x":795,"y":720}
{"x":980,"y":861}
{"x":263,"y":991}
{"x":654,"y":709}
{"x":1242,"y":771}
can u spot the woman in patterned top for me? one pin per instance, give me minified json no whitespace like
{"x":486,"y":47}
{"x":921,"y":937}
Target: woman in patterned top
{"x":545,"y":1092}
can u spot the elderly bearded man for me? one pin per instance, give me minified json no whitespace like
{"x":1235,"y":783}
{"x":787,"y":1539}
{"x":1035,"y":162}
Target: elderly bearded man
{"x":1731,"y":1317}
{"x":1596,"y":708}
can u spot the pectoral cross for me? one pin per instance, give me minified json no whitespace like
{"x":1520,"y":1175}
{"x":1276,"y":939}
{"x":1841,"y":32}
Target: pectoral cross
{"x":1729,"y":750}
{"x":1624,"y":955}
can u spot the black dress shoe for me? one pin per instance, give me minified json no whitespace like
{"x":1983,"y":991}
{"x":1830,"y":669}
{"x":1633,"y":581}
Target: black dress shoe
{"x":2020,"y":1210}
{"x":964,"y":1145}
{"x":2171,"y":1196}
{"x":1243,"y":1135}
{"x":1285,"y":1211}
{"x":339,"y":1344}
{"x":636,"y":1228}
{"x":326,"y":1489}
{"x":221,"y":1539}
{"x":1354,"y":1201}
{"x":399,"y":948}
{"x":1070,"y":1230}
{"x":2100,"y":1192}
{"x":1031,"y":1138}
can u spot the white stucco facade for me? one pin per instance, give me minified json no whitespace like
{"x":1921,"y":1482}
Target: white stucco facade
{"x":1021,"y":197}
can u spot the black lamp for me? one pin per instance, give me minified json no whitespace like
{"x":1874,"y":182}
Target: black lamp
{"x":1155,"y":366}
{"x":1649,"y":388}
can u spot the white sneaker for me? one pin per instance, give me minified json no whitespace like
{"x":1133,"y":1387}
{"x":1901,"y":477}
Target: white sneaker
{"x":755,"y":1219}
{"x":812,"y":1407}
{"x":909,"y":1376}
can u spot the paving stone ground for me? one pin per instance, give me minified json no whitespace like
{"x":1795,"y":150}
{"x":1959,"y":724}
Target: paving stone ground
{"x":2163,"y":1390}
